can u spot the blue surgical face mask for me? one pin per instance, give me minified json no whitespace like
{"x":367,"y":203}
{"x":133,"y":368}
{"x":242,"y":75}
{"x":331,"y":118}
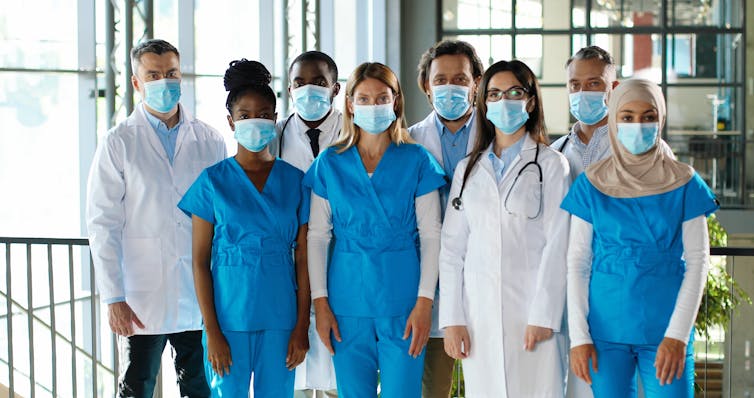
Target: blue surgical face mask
{"x":312,"y":102}
{"x":589,"y":107}
{"x":162,"y":95}
{"x":507,"y":115}
{"x":450,"y":101}
{"x":638,"y":138}
{"x":374,"y":119}
{"x":254,"y":134}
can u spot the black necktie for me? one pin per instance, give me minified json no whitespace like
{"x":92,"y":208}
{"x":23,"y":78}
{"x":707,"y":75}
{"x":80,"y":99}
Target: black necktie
{"x":313,"y":135}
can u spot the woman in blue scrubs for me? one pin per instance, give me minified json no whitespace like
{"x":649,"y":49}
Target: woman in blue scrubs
{"x":375,"y":194}
{"x":249,"y":217}
{"x":638,"y":256}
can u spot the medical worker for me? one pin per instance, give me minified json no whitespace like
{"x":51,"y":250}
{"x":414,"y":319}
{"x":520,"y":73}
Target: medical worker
{"x":502,"y":263}
{"x":638,"y":256}
{"x":312,"y":127}
{"x":249,"y":217}
{"x":375,"y":194}
{"x":140,"y":242}
{"x":449,"y":73}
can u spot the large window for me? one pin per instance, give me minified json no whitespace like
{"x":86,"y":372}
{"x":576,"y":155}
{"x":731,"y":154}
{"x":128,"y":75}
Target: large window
{"x":693,"y":49}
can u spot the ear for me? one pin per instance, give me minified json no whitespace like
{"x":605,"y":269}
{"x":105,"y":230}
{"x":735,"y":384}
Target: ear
{"x":335,"y":91}
{"x":275,"y":117}
{"x":289,"y":92}
{"x":530,"y":103}
{"x":135,"y":82}
{"x":349,"y":105}
{"x":233,"y":125}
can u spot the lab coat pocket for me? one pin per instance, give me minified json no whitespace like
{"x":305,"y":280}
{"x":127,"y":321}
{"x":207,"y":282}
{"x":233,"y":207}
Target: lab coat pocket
{"x":142,"y":264}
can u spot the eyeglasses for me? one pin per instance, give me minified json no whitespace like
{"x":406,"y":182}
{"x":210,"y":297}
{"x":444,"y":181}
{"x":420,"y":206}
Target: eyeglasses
{"x":513,"y":93}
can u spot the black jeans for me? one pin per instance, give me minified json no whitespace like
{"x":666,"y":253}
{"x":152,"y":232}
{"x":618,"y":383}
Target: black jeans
{"x":140,"y":362}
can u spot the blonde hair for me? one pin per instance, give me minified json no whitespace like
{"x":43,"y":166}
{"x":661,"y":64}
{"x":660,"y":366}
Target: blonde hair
{"x":349,"y":134}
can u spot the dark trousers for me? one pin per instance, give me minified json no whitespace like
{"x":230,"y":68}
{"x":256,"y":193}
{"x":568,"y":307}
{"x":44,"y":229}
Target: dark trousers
{"x":140,"y":357}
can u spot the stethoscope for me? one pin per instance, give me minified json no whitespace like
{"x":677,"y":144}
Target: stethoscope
{"x":457,"y":202}
{"x":282,"y":134}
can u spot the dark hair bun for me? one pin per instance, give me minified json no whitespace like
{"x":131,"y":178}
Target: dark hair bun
{"x":244,"y":73}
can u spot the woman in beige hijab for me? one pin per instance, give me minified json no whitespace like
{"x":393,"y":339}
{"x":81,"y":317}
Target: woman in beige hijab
{"x":638,"y":256}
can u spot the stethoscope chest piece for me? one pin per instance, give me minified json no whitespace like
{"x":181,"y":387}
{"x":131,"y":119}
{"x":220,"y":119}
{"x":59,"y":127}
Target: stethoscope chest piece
{"x":457,"y":203}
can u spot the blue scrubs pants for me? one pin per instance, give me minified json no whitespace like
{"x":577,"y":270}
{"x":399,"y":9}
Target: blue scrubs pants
{"x":617,"y":366}
{"x":261,"y":353}
{"x":372,"y":344}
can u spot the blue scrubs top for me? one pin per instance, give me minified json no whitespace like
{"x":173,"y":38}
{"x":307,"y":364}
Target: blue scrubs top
{"x":637,"y":265}
{"x":374,"y":267}
{"x":253,"y":272}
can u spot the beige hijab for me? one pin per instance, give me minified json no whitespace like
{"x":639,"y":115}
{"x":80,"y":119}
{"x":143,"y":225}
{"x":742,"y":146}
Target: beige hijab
{"x":625,"y":175}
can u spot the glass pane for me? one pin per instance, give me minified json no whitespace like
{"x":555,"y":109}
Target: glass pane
{"x":345,"y":50}
{"x":240,"y":21}
{"x":724,"y":14}
{"x":705,"y":56}
{"x":529,"y":51}
{"x":39,"y":37}
{"x":476,"y":14}
{"x":529,"y":13}
{"x":555,"y":104}
{"x":702,"y":130}
{"x":210,"y":107}
{"x":555,"y":52}
{"x":556,"y":14}
{"x":578,"y":14}
{"x":609,"y":13}
{"x":635,"y":55}
{"x":40,"y":143}
{"x":166,"y":20}
{"x":489,"y":48}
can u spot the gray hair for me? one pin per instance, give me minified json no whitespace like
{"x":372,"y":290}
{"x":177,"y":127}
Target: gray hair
{"x":594,"y":52}
{"x":154,"y":46}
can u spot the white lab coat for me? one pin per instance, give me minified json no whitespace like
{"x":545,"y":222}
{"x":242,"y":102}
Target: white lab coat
{"x":317,"y":370}
{"x":140,"y":241}
{"x":500,"y":272}
{"x":425,"y":133}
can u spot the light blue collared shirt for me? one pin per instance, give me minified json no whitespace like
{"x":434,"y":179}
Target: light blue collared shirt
{"x":454,"y":147}
{"x":168,"y":137}
{"x":500,"y":164}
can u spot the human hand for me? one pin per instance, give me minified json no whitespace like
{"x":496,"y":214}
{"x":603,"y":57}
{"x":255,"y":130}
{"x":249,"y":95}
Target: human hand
{"x":457,"y":342}
{"x":418,"y":324}
{"x":298,"y":345}
{"x":670,"y":360}
{"x":534,"y":335}
{"x":580,"y":356}
{"x":122,"y":319}
{"x":326,"y":323}
{"x":218,"y":353}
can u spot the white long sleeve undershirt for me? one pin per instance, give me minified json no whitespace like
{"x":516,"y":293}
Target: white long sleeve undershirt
{"x":320,"y":233}
{"x":695,"y":252}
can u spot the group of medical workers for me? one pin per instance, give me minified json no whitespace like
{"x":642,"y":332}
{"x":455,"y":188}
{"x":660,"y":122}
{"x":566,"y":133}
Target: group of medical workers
{"x":342,"y":254}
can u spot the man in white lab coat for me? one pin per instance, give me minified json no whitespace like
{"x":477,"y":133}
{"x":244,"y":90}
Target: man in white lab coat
{"x":449,"y":73}
{"x":312,"y":127}
{"x":140,"y":241}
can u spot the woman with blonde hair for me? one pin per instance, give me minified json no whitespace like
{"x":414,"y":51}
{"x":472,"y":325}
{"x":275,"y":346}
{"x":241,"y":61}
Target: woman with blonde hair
{"x":374,"y":193}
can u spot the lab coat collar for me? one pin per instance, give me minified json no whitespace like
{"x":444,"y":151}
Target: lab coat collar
{"x":139,"y":118}
{"x":528,"y":145}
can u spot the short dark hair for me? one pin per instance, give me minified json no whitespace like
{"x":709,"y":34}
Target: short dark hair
{"x":448,"y":47}
{"x":316,"y":56}
{"x":592,"y":52}
{"x":154,"y":46}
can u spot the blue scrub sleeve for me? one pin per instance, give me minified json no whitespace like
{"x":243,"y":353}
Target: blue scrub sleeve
{"x":314,"y":179}
{"x":577,"y":200}
{"x":303,"y":210}
{"x":698,"y":199}
{"x":199,"y":199}
{"x":431,"y":174}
